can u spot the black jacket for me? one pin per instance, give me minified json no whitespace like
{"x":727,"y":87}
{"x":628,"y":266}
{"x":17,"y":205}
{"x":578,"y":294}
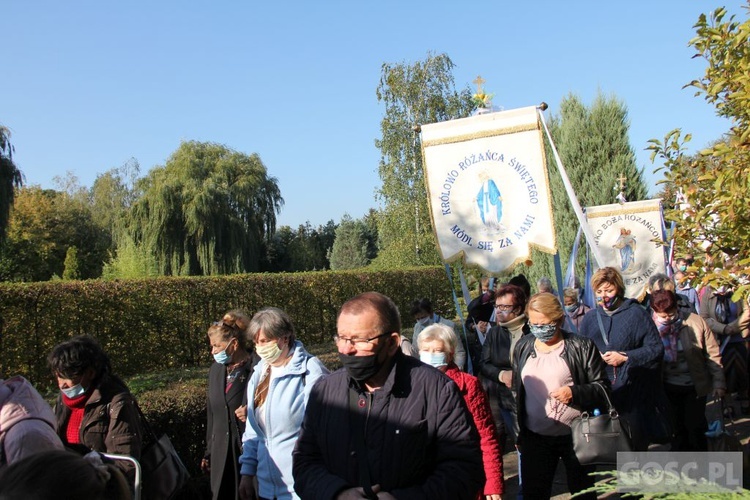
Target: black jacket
{"x":224,"y":431}
{"x":496,"y":358}
{"x":420,"y":438}
{"x":586,"y":368}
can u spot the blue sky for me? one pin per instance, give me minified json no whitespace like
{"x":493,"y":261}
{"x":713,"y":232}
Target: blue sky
{"x":87,"y":85}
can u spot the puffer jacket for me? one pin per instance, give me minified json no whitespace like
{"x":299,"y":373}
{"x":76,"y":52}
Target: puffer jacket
{"x":479,"y":407}
{"x":420,"y":440}
{"x":111,"y":422}
{"x":586,"y":367}
{"x":27,"y":424}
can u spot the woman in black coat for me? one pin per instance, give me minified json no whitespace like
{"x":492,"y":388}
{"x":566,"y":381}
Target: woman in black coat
{"x":226,"y":404}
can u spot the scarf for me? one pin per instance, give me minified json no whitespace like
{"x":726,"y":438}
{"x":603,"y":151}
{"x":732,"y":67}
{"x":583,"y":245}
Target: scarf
{"x":515,"y":325}
{"x":77,"y":407}
{"x":669,"y":333}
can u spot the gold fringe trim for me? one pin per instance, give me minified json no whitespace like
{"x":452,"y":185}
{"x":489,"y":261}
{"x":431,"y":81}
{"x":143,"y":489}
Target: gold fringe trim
{"x":481,"y":135}
{"x":623,"y":211}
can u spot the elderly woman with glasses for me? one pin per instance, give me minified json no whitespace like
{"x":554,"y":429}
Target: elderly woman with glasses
{"x":276,"y":399}
{"x":95,"y":410}
{"x":557,"y":375}
{"x":227,"y":386}
{"x":437,"y":347}
{"x":497,"y":354}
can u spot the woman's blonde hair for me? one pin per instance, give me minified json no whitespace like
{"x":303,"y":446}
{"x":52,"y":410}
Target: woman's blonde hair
{"x":547,"y":304}
{"x":608,"y":275}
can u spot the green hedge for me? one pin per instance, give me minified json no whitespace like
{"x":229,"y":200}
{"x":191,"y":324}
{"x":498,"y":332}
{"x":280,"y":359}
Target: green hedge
{"x":157,"y":324}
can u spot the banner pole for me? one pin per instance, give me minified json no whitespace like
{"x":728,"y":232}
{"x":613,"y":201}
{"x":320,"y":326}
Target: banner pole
{"x":465,"y":340}
{"x":571,"y":194}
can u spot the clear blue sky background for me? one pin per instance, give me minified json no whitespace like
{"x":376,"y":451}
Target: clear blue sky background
{"x":86,"y":85}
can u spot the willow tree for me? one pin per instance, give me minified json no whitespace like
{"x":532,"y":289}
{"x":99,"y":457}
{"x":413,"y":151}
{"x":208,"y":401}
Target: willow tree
{"x":413,"y":94}
{"x":208,"y":210}
{"x":10,"y":179}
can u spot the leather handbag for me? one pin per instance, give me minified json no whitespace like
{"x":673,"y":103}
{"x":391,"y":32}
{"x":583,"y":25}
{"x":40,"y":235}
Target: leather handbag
{"x":164,"y":474}
{"x":598,"y":438}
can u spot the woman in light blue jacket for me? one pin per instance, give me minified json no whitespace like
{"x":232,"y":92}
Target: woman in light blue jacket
{"x":276,"y":398}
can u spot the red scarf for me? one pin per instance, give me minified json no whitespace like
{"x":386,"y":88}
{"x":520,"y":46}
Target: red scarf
{"x":76,"y":406}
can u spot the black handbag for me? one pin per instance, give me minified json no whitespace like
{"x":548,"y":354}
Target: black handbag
{"x":597,"y":439}
{"x":164,"y":474}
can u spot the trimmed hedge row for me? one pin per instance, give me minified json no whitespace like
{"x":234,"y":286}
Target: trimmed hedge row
{"x":156,"y":324}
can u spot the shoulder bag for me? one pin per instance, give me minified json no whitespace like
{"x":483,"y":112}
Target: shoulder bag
{"x":597,"y":439}
{"x":164,"y":474}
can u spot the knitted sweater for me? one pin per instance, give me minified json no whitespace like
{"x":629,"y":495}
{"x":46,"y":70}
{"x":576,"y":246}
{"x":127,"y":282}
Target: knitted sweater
{"x":629,"y":330}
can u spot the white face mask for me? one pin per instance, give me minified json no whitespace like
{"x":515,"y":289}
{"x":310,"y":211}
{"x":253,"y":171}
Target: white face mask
{"x":269,"y":352}
{"x":425,"y":321}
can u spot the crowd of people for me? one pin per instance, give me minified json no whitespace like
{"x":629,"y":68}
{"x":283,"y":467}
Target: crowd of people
{"x":423,"y":417}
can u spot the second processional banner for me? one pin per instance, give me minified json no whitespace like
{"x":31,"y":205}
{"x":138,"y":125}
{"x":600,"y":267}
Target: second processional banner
{"x":488,"y":188}
{"x":629,"y":237}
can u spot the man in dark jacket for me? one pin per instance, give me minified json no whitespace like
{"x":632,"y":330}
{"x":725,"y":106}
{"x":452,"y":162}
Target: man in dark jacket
{"x":386,"y":425}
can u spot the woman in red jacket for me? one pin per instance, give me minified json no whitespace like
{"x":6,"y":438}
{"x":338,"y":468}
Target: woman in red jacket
{"x":437,"y":347}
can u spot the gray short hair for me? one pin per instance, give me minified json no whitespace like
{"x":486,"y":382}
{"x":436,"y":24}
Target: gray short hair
{"x":544,"y":284}
{"x":440,"y":332}
{"x":274,"y":323}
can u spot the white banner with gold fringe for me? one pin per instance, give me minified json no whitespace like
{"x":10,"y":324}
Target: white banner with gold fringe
{"x":628,"y":236}
{"x":488,"y":188}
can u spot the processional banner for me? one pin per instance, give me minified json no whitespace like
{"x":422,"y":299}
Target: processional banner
{"x":628,"y":236}
{"x":488,"y":188}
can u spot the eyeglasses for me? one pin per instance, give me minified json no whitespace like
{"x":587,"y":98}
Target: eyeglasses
{"x":504,"y":308}
{"x":359,"y":344}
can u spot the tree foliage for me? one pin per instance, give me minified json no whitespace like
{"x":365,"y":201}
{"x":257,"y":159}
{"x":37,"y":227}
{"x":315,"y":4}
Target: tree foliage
{"x":351,"y":247}
{"x":305,"y":249}
{"x":112,"y":195}
{"x":10,"y":179}
{"x":44,"y":224}
{"x":209,"y":210}
{"x":714,"y":222}
{"x":413,"y":94}
{"x":71,"y":269}
{"x":595,"y":150}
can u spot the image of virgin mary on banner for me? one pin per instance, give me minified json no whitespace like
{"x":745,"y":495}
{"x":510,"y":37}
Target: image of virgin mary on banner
{"x":628,"y":236}
{"x":488,"y":189}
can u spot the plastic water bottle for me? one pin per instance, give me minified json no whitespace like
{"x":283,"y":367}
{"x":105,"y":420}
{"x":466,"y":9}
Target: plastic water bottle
{"x":596,"y":412}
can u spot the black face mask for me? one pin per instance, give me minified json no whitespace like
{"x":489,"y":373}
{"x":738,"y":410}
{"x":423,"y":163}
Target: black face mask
{"x":361,"y":368}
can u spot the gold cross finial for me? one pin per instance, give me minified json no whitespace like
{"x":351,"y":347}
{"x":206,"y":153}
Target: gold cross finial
{"x":622,"y":180}
{"x":479,"y":82}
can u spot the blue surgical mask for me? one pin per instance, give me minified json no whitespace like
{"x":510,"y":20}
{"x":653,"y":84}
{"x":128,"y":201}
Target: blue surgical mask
{"x":73,"y":392}
{"x":436,"y":359}
{"x":425,"y":321}
{"x":543,"y":332}
{"x":571,"y":308}
{"x":222,"y":357}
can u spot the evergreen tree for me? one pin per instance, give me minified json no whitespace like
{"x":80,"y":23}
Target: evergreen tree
{"x":595,"y":150}
{"x":70,"y":270}
{"x":350,"y":246}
